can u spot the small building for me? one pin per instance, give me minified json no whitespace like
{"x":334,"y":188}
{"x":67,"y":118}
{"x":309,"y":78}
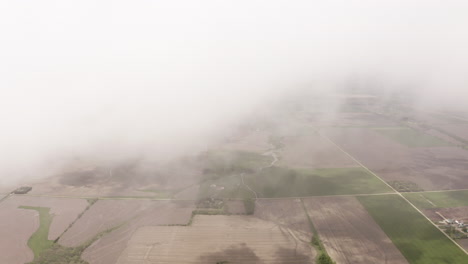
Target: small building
{"x":22,"y":190}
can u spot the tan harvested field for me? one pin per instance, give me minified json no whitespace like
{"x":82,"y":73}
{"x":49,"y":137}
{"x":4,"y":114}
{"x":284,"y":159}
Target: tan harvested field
{"x":313,"y":151}
{"x":235,"y":207}
{"x":287,"y":213}
{"x":435,"y":168}
{"x":107,"y":249}
{"x":349,"y":233}
{"x":457,"y":213}
{"x":105,"y":214}
{"x":212,"y":239}
{"x":63,"y":210}
{"x":16,"y":226}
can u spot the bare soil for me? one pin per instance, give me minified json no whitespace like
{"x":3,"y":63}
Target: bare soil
{"x":287,"y":213}
{"x":236,"y":239}
{"x":16,"y":227}
{"x":235,"y":207}
{"x":349,"y":233}
{"x":108,"y":248}
{"x":457,"y":213}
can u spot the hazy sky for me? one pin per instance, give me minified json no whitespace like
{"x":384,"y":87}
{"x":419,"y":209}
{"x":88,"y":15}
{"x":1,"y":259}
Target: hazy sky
{"x":128,"y":77}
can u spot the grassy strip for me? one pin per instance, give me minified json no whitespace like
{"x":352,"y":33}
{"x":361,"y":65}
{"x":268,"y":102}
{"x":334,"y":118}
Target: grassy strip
{"x":50,"y":252}
{"x":439,"y":199}
{"x":412,"y":138}
{"x":416,"y":238}
{"x":58,"y":254}
{"x":316,"y":242}
{"x":39,"y":241}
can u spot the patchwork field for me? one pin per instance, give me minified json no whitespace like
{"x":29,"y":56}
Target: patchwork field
{"x":108,"y":248}
{"x":226,"y":239}
{"x":416,"y":238}
{"x":349,"y":233}
{"x":435,"y":168}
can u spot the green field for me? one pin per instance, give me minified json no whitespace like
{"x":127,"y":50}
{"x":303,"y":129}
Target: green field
{"x":284,"y":182}
{"x":411,"y":138}
{"x":39,"y":241}
{"x":439,"y":199}
{"x":417,"y":239}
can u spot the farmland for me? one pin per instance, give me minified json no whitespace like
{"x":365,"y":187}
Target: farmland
{"x":283,"y":182}
{"x":428,"y":168}
{"x":411,"y":138}
{"x":251,"y":240}
{"x":417,"y":239}
{"x":297,"y":186}
{"x":438,"y":199}
{"x":348,"y":233}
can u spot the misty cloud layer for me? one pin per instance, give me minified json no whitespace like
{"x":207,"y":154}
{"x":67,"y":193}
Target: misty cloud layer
{"x":112,"y":79}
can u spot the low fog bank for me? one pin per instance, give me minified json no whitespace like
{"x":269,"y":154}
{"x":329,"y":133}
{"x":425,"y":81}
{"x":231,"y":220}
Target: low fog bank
{"x":114,"y":80}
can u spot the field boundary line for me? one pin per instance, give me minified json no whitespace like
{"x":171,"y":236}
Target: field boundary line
{"x":398,"y":193}
{"x":439,"y":191}
{"x":104,"y":197}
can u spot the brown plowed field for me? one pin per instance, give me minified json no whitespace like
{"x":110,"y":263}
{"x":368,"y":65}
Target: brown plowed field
{"x":107,"y":249}
{"x":284,"y":212}
{"x":235,"y":207}
{"x":212,"y":239}
{"x":457,"y":213}
{"x":105,"y":214}
{"x":349,"y":233}
{"x":313,"y":151}
{"x":63,"y":210}
{"x":16,"y":226}
{"x":437,"y":168}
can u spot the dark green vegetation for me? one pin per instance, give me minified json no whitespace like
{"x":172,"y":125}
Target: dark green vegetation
{"x":411,"y":138}
{"x":405,"y":186}
{"x":439,"y":199}
{"x":39,"y":241}
{"x":284,"y":182}
{"x":417,"y":239}
{"x":322,"y":255}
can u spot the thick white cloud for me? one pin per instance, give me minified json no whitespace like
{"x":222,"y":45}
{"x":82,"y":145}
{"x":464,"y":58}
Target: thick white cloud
{"x":126,"y":77}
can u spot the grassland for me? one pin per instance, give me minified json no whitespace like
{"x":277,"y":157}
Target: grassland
{"x":438,"y":199}
{"x":411,"y":138}
{"x":417,"y":239}
{"x":39,"y":242}
{"x":284,"y":182}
